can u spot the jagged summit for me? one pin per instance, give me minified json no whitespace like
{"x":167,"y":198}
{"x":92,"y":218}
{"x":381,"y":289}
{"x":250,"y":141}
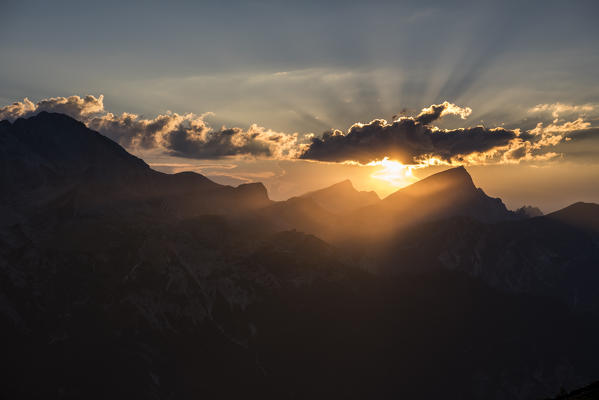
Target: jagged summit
{"x":529,"y":212}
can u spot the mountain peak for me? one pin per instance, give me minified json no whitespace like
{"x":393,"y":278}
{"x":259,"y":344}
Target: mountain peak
{"x":253,"y":195}
{"x":51,"y":149}
{"x":341,"y":197}
{"x":52,"y":156}
{"x":67,"y":143}
{"x":256,"y":188}
{"x":344,"y":186}
{"x":345,"y":182}
{"x":457,"y":175}
{"x":448,"y":193}
{"x":529,"y":212}
{"x":453,"y":179}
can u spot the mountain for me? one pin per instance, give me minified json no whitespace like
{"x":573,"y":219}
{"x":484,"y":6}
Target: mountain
{"x":555,"y":255}
{"x":529,"y":212}
{"x":300,"y":213}
{"x":448,"y":193}
{"x":443,"y":195}
{"x":579,"y":215}
{"x":342,"y":197}
{"x":358,"y":220}
{"x":183,"y":308}
{"x":117,"y":281}
{"x":317,"y":212}
{"x":52,"y":162}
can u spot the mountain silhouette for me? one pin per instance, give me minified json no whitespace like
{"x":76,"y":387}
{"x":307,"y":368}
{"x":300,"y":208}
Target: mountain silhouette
{"x":545,"y":255}
{"x":318,"y":212}
{"x":448,"y":193}
{"x":342,"y":197}
{"x":343,"y":215}
{"x":53,"y":160}
{"x":118,"y":281}
{"x":443,"y":195}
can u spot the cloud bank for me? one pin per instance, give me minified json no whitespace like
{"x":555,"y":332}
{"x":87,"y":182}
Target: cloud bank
{"x":411,"y":140}
{"x":183,"y":135}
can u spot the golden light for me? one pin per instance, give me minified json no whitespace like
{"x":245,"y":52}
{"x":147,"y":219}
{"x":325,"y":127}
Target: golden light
{"x":394,"y":173}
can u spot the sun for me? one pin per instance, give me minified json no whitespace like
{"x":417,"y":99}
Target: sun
{"x":394,"y":173}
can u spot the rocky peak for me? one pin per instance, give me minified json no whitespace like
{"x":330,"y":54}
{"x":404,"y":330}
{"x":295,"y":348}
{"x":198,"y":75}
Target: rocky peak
{"x":253,"y":195}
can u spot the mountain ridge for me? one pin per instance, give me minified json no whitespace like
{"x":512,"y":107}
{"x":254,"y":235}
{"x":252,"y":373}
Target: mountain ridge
{"x":165,"y":286}
{"x":48,"y":156}
{"x":51,"y":150}
{"x":342,"y":197}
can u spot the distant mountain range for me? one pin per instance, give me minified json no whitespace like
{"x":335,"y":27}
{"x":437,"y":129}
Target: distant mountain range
{"x":118,"y":281}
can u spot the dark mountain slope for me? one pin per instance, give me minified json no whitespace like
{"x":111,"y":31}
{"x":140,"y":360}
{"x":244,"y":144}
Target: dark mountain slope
{"x":201,"y":308}
{"x":316,"y":212}
{"x":51,"y":149}
{"x":579,"y":215}
{"x":51,"y":161}
{"x":556,"y":255}
{"x":299,"y":213}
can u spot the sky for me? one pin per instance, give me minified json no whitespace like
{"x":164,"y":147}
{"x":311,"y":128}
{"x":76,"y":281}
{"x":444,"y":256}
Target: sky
{"x":302,"y":95}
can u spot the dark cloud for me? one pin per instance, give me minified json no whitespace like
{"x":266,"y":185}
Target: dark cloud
{"x":405,"y":140}
{"x":189,"y":136}
{"x":216,"y":144}
{"x":412,"y":140}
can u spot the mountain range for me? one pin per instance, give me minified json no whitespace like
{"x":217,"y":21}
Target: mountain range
{"x":120,"y":281}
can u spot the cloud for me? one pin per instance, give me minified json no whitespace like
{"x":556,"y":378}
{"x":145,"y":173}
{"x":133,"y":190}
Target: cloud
{"x":74,"y":106}
{"x":412,"y":140}
{"x":557,"y":109}
{"x":196,"y":141}
{"x":18,"y":109}
{"x":405,"y":140}
{"x":437,"y":111}
{"x":183,"y":135}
